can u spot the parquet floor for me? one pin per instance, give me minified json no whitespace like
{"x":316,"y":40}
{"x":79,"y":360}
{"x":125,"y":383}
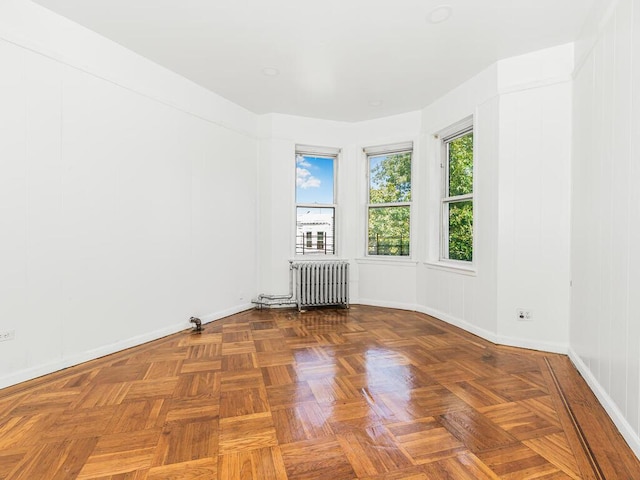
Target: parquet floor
{"x":365,"y":393}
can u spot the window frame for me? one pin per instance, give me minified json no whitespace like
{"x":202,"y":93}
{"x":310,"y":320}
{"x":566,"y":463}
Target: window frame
{"x":450,"y":134}
{"x":314,"y":251}
{"x":376,"y":151}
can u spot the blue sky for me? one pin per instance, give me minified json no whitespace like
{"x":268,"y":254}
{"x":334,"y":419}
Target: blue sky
{"x":373,"y":163}
{"x":314,"y":179}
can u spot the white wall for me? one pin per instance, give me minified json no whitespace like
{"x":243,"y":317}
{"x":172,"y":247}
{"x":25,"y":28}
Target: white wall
{"x":534,"y":197}
{"x":112,"y":170}
{"x":127,"y":197}
{"x":522,"y":117}
{"x":279,"y":135}
{"x":522,"y":114}
{"x":465,"y":298}
{"x":605,"y":219}
{"x":382,"y":280}
{"x":391,"y":282}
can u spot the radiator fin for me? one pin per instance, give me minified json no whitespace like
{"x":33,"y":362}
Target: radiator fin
{"x":322,"y":283}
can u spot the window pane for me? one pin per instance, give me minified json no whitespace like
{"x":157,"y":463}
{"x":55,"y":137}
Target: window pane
{"x":314,"y":179}
{"x":389,"y":231}
{"x":460,"y":153}
{"x":390,"y":178}
{"x":314,"y":231}
{"x":460,"y":231}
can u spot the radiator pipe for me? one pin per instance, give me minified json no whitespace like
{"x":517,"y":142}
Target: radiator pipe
{"x":265,"y":300}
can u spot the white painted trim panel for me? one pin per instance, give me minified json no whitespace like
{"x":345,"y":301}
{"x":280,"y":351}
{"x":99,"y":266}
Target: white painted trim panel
{"x":616,"y":415}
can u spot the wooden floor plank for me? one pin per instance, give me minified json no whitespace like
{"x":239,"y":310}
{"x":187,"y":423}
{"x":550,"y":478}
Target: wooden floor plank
{"x":367,"y":393}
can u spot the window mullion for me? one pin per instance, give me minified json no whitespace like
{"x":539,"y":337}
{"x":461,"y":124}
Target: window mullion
{"x":316,"y":205}
{"x":386,"y":205}
{"x":458,"y":198}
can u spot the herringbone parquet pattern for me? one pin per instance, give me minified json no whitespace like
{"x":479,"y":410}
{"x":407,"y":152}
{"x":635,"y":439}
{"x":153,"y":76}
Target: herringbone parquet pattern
{"x":365,"y":393}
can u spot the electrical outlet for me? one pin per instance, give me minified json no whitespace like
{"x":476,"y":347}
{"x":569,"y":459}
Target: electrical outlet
{"x":7,"y":335}
{"x":524,"y":315}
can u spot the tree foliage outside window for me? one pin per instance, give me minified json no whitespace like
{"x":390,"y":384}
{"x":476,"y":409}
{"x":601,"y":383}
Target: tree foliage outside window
{"x":389,"y":204}
{"x":461,"y":231}
{"x":461,"y":165}
{"x":458,"y":198}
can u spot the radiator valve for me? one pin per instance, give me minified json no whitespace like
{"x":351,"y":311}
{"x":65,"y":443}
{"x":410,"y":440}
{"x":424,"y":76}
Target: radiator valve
{"x":197,"y":324}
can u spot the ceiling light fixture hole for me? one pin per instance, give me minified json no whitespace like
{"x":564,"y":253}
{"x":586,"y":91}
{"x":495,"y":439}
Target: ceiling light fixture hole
{"x":440,"y":14}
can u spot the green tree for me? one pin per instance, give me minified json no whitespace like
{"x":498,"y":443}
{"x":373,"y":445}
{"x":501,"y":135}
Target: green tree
{"x":461,"y":212}
{"x":461,"y":231}
{"x":389,"y":182}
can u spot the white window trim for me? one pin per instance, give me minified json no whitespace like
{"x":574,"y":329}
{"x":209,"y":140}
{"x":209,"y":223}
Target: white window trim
{"x":452,"y":132}
{"x":454,"y":266}
{"x":319,"y":151}
{"x":386,"y":149}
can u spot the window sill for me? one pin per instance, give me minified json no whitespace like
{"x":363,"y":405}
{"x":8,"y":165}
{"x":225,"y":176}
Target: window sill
{"x":453,"y":268}
{"x":395,"y":261}
{"x":319,"y":257}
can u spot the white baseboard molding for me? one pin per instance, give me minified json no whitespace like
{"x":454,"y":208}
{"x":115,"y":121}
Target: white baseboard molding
{"x":533,"y":345}
{"x":457,"y":322}
{"x":481,"y":332}
{"x":550,"y":347}
{"x":226,"y":313}
{"x":377,"y":303}
{"x":625,"y":429}
{"x":51,"y":367}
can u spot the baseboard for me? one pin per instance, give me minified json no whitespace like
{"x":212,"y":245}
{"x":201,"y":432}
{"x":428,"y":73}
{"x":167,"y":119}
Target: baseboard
{"x":226,"y":313}
{"x":549,"y":347}
{"x":625,"y":429}
{"x":457,"y":322}
{"x":377,"y":303}
{"x":40,"y":370}
{"x":493,"y":337}
{"x":481,"y":332}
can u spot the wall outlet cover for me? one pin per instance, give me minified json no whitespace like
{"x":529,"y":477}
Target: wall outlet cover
{"x":6,"y":335}
{"x":524,"y":314}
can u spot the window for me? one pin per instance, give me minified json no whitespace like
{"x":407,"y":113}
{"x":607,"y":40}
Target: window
{"x":389,"y":202}
{"x":315,"y":200}
{"x":457,"y":195}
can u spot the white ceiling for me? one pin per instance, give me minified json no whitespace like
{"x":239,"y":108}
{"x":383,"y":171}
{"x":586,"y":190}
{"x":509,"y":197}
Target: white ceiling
{"x":337,"y":59}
